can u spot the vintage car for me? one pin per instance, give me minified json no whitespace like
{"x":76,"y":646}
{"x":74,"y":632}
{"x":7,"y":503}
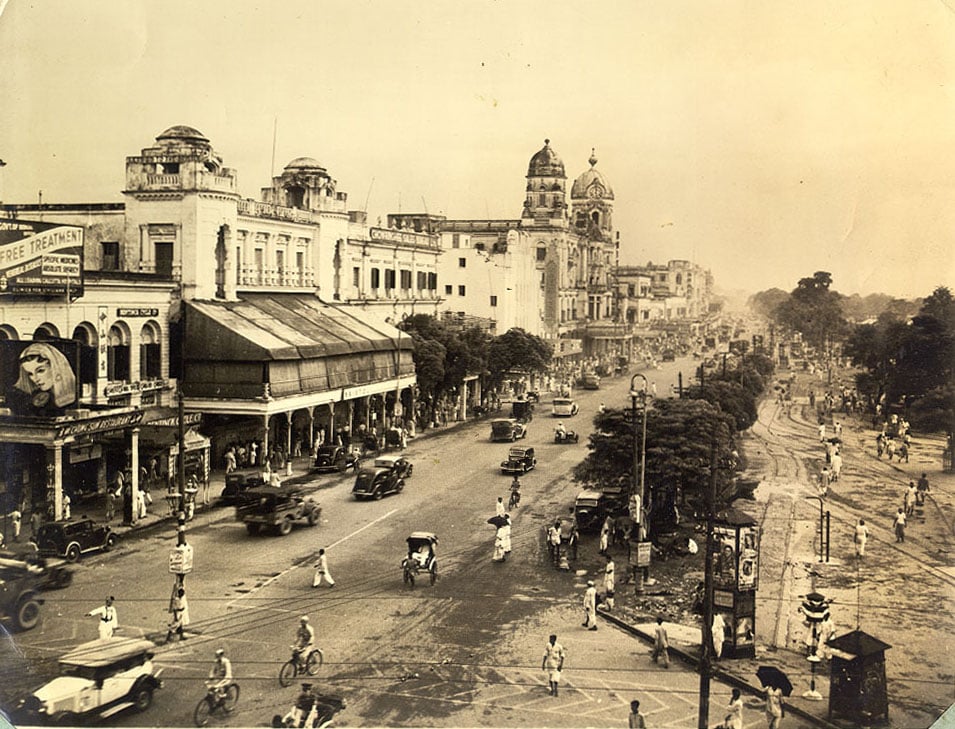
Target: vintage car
{"x":519,"y":460}
{"x":523,"y":410}
{"x":331,"y":458}
{"x":70,"y":539}
{"x":379,"y":480}
{"x":563,"y":407}
{"x":97,"y":680}
{"x":50,"y":574}
{"x":399,"y":464}
{"x":238,"y":482}
{"x":590,"y":381}
{"x":277,"y":508}
{"x":19,"y":596}
{"x":591,"y":508}
{"x":507,"y":429}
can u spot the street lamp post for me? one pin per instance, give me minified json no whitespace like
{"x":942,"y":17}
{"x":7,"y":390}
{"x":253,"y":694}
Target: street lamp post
{"x":637,"y":512}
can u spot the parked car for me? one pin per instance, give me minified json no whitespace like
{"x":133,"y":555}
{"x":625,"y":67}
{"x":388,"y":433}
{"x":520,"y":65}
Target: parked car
{"x":507,"y":429}
{"x":519,"y":460}
{"x":70,"y":539}
{"x":377,"y":481}
{"x":238,"y":482}
{"x":278,"y":509}
{"x":563,"y":407}
{"x":399,"y":464}
{"x":20,"y":597}
{"x":591,"y":508}
{"x":97,"y":680}
{"x":334,"y":458}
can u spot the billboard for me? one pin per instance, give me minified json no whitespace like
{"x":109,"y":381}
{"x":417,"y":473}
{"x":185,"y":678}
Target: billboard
{"x":40,"y":259}
{"x":39,"y":378}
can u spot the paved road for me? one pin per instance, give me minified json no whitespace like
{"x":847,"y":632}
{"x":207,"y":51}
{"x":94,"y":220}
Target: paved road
{"x":474,"y":640}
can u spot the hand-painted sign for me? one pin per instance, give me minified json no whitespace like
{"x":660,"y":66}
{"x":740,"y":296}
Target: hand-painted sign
{"x":40,"y":259}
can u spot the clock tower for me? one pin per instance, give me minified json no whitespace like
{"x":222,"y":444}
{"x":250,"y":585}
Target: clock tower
{"x":591,"y":200}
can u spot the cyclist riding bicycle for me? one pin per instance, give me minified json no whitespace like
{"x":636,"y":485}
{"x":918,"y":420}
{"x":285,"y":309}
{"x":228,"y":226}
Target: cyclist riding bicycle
{"x":304,"y":640}
{"x":220,"y":677}
{"x":515,"y":493}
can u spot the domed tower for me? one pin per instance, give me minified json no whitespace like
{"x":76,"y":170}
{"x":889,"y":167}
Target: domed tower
{"x":591,"y":199}
{"x":306,"y":185}
{"x":181,"y":208}
{"x":546,"y":187}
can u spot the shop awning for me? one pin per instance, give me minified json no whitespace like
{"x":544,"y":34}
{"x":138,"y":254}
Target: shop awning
{"x":261,"y":327}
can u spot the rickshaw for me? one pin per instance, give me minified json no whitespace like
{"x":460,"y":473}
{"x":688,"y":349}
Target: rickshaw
{"x":421,"y":557}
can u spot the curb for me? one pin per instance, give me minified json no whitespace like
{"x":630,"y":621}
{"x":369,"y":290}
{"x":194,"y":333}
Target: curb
{"x":719,"y":673}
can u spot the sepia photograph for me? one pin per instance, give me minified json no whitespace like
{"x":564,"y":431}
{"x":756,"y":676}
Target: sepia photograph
{"x":477,"y":364}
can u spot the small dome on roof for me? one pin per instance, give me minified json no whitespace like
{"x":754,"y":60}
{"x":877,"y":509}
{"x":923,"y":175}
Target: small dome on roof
{"x":183,"y":133}
{"x":304,"y":163}
{"x":546,"y":163}
{"x":591,"y":183}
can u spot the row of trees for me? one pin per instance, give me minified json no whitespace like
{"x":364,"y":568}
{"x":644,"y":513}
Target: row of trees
{"x":681,"y":434}
{"x":445,"y":355}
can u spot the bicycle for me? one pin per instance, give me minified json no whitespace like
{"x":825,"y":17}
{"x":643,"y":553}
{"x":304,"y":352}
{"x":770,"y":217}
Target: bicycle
{"x":296,"y":666}
{"x":214,"y":700}
{"x":514,"y":500}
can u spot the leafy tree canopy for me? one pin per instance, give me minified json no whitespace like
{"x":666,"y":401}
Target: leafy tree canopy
{"x":814,"y":310}
{"x":517,"y":351}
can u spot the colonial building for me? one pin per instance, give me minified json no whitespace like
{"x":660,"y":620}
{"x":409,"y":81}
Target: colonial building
{"x":250,"y":308}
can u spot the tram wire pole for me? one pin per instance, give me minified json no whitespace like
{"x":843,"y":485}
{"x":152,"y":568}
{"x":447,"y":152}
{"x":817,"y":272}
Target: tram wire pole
{"x":706,"y":645}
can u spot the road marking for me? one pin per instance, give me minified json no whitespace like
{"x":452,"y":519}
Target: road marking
{"x":303,"y":562}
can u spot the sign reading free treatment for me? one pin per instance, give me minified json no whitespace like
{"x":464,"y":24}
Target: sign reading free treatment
{"x":40,"y":259}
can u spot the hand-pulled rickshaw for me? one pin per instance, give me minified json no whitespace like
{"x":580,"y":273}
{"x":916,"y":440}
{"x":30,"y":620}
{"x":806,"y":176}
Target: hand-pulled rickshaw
{"x":421,"y":557}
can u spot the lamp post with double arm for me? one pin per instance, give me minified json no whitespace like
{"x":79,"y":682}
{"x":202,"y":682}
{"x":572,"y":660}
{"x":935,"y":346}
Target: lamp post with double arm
{"x":637,"y":512}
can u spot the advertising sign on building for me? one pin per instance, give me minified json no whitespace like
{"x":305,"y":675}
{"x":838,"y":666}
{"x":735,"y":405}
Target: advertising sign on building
{"x":40,"y":259}
{"x":39,"y":378}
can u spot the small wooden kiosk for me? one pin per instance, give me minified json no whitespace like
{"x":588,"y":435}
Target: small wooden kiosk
{"x":857,"y":689}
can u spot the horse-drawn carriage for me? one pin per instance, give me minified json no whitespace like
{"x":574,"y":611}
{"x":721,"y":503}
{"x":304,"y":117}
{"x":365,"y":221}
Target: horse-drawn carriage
{"x":421,"y":557}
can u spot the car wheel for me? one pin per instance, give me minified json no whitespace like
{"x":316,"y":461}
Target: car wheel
{"x":285,"y":527}
{"x":28,"y":614}
{"x":72,"y":553}
{"x":110,"y":542}
{"x":410,"y":469}
{"x":378,"y":494}
{"x":142,"y":698}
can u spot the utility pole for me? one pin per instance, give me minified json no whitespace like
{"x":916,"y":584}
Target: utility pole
{"x":637,"y":512}
{"x":706,"y":646}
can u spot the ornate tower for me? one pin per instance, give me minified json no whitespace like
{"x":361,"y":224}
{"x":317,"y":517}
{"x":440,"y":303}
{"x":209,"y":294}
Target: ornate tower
{"x":546,"y":193}
{"x":591,"y":200}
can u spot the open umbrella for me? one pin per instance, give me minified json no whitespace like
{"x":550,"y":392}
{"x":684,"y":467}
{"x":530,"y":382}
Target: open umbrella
{"x":497,"y":521}
{"x":773,"y":677}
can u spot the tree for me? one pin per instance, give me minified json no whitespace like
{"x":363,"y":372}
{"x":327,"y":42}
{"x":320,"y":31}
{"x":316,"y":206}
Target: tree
{"x":764,"y":303}
{"x":517,"y":351}
{"x":679,"y":437}
{"x":813,"y":310}
{"x":731,"y":398}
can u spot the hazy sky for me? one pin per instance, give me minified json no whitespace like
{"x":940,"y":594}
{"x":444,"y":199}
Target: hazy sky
{"x":763,"y":139}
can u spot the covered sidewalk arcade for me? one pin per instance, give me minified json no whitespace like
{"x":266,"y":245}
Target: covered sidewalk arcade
{"x":286,"y":369}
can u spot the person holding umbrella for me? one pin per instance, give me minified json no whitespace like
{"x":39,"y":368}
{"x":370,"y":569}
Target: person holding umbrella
{"x":776,"y":685}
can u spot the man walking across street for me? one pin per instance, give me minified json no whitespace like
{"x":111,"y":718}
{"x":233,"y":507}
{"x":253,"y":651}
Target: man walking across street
{"x":921,"y":490}
{"x":774,"y":706}
{"x":636,"y":720}
{"x":899,"y":525}
{"x":862,"y":536}
{"x":609,"y":582}
{"x":553,"y":663}
{"x":321,"y":571}
{"x":499,"y":509}
{"x":590,"y":606}
{"x":909,"y":499}
{"x":661,"y":643}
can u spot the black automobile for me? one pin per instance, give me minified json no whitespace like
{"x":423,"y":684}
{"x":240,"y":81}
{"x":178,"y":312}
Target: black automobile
{"x":519,"y":460}
{"x":70,"y":539}
{"x":507,"y":429}
{"x":331,"y":458}
{"x":379,"y":480}
{"x":591,"y":508}
{"x":238,"y":482}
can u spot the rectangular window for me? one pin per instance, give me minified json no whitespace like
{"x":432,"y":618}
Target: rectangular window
{"x":164,"y":251}
{"x":460,"y":290}
{"x":356,"y":276}
{"x":110,"y":251}
{"x":280,"y":261}
{"x":455,"y":240}
{"x":300,"y":261}
{"x":389,"y":278}
{"x":405,"y":279}
{"x":462,"y":262}
{"x":449,"y":290}
{"x":422,"y":280}
{"x":541,"y":254}
{"x":375,"y":278}
{"x":432,"y":281}
{"x":493,"y":301}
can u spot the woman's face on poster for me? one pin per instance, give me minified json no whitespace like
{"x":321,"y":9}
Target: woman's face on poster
{"x":39,"y":372}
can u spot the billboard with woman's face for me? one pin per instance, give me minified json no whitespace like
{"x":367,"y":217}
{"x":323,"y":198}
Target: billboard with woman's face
{"x":39,"y":379}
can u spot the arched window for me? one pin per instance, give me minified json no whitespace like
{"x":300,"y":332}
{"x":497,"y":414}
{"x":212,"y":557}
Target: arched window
{"x":150,"y":352}
{"x":85,"y":334}
{"x":595,"y":216}
{"x":117,"y":352}
{"x":46,"y":331}
{"x":8,"y":333}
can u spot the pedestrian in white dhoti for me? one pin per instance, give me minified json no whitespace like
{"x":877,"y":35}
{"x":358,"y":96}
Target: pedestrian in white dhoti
{"x":499,"y":509}
{"x":506,"y":534}
{"x":553,"y":663}
{"x":108,"y":619}
{"x":836,"y":465}
{"x":862,"y":536}
{"x":590,"y":606}
{"x":609,"y":582}
{"x":321,"y":571}
{"x":179,"y":607}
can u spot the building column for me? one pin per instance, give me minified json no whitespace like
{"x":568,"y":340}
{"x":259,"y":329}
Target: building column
{"x":288,"y":443}
{"x":134,"y":465}
{"x":263,"y":456}
{"x":330,"y":435}
{"x":311,"y":429}
{"x":54,"y":480}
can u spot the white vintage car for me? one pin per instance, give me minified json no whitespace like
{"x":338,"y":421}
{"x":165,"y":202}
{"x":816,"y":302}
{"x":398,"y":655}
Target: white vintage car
{"x":563,"y":407}
{"x":97,"y":679}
